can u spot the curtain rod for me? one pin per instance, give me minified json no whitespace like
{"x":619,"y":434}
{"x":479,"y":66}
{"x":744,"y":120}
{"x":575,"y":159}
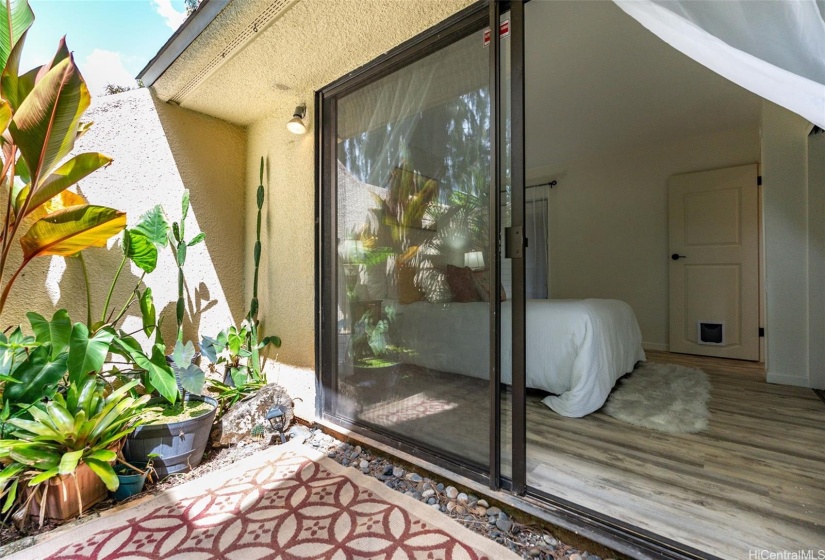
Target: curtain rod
{"x":550,"y":184}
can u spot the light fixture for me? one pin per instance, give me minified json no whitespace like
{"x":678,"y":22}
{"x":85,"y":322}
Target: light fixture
{"x":296,"y":124}
{"x":276,"y":416}
{"x":474,"y":260}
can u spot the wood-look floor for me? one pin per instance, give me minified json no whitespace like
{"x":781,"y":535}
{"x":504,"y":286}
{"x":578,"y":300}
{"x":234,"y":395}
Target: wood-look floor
{"x":755,"y":479}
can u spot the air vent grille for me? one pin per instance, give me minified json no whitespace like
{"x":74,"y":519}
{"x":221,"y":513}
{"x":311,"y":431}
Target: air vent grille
{"x":274,"y":10}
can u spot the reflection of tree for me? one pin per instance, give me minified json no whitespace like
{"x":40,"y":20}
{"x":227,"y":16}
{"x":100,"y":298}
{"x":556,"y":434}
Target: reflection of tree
{"x":449,"y":142}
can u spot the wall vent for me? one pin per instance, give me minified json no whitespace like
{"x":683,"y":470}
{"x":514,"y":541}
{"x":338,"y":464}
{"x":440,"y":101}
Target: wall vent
{"x":272,"y":12}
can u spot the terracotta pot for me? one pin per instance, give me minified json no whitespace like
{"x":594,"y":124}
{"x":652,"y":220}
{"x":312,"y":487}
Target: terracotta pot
{"x":61,"y":498}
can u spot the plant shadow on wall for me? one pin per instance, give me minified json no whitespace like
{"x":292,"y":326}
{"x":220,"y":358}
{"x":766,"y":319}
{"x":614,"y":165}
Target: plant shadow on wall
{"x":212,"y":163}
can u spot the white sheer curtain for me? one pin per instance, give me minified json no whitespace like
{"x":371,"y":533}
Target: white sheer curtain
{"x":773,"y":48}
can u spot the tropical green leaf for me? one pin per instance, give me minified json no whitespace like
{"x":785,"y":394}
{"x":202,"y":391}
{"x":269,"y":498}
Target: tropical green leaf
{"x":43,"y":477}
{"x":153,"y":225}
{"x":87,"y":354}
{"x":183,"y":353}
{"x":68,"y":174}
{"x":106,"y":473}
{"x":147,"y":311}
{"x":19,"y":17}
{"x":191,"y":378}
{"x":11,"y":496}
{"x":16,"y":87}
{"x":239,"y":376}
{"x":36,"y":455}
{"x":69,"y":461}
{"x":56,"y":331}
{"x":140,"y":250}
{"x":158,"y":373}
{"x":69,"y":231}
{"x":273,"y":340}
{"x":61,"y":418}
{"x":209,"y":349}
{"x":106,"y":455}
{"x":37,"y":377}
{"x":197,"y":239}
{"x":34,"y":427}
{"x":45,"y":125}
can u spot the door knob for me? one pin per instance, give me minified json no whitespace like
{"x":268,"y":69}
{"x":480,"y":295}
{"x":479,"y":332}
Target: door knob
{"x":677,"y":256}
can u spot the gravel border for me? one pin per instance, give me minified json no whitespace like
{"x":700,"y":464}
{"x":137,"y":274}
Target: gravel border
{"x":529,"y":540}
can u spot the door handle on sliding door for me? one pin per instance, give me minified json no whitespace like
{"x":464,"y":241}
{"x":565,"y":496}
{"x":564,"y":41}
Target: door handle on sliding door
{"x":677,"y":256}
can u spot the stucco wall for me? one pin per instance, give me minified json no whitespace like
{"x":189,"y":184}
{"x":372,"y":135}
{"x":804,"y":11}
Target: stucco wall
{"x":287,"y":280}
{"x":158,"y":150}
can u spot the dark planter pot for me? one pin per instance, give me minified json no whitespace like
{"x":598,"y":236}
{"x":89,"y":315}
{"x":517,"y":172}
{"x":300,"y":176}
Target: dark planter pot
{"x":384,"y":377}
{"x":131,"y":482}
{"x":180,"y":445}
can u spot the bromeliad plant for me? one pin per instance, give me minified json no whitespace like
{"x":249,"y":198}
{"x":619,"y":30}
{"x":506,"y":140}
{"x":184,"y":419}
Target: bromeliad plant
{"x":40,"y":119}
{"x":65,"y":432}
{"x":59,"y":409}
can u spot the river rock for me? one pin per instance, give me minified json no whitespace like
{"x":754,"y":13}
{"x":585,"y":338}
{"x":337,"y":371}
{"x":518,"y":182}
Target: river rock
{"x":452,"y":492}
{"x":239,"y":422}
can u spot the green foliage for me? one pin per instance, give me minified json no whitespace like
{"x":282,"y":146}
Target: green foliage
{"x":65,"y":432}
{"x":177,"y":240}
{"x":40,"y":119}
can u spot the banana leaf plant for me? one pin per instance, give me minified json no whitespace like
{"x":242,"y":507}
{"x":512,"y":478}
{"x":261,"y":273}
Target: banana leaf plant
{"x":40,"y":120}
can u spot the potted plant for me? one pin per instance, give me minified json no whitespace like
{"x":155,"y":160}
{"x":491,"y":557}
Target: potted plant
{"x":176,"y":424}
{"x":62,"y":422}
{"x":240,"y":350}
{"x":131,"y":477}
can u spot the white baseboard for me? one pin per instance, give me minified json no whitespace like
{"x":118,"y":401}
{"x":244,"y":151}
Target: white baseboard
{"x":785,"y":379}
{"x":655,"y":346}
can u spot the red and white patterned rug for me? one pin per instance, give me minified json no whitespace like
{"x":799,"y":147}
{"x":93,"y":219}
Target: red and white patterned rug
{"x":290,"y":502}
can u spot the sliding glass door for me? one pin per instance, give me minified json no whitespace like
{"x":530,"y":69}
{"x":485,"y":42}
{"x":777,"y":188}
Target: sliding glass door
{"x":413,"y":154}
{"x":410,"y":193}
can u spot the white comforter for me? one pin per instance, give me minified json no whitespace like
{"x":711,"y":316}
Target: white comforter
{"x":576,"y":349}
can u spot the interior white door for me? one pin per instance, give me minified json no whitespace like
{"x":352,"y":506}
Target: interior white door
{"x":714,"y":263}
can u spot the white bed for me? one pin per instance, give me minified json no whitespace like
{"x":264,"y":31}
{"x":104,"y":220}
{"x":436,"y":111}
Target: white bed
{"x":576,"y":349}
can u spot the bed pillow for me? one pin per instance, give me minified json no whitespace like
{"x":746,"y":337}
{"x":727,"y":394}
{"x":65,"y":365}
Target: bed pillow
{"x":408,"y":292}
{"x":482,"y":281}
{"x":462,"y":284}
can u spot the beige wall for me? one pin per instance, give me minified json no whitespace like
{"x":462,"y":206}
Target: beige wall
{"x":287,"y":281}
{"x":158,"y":151}
{"x":608,"y":220}
{"x":793,"y":223}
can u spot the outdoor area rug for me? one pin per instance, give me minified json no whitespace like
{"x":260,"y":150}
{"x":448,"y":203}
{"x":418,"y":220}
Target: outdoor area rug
{"x":663,"y":397}
{"x":290,"y":502}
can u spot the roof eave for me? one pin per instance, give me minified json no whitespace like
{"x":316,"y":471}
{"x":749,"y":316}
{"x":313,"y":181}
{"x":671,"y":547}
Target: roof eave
{"x":181,"y":39}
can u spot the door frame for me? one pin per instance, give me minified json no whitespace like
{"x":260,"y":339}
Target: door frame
{"x":473,"y":18}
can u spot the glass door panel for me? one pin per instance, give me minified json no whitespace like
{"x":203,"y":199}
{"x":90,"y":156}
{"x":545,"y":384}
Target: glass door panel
{"x":412,"y":206}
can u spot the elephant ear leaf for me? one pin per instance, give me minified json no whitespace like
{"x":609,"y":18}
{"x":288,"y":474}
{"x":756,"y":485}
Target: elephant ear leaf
{"x":36,"y":377}
{"x":154,"y":226}
{"x":69,"y":231}
{"x":148,"y":312}
{"x":56,"y":331}
{"x":140,"y":250}
{"x":87,"y":353}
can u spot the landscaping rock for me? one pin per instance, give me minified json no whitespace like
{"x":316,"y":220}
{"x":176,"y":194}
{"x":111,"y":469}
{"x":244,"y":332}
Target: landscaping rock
{"x":452,"y":492}
{"x":237,"y":424}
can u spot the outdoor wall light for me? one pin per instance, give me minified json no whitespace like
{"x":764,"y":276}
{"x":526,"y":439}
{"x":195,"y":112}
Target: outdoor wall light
{"x":296,"y":124}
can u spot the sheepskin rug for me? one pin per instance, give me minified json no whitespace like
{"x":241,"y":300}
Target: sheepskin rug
{"x":663,"y":397}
